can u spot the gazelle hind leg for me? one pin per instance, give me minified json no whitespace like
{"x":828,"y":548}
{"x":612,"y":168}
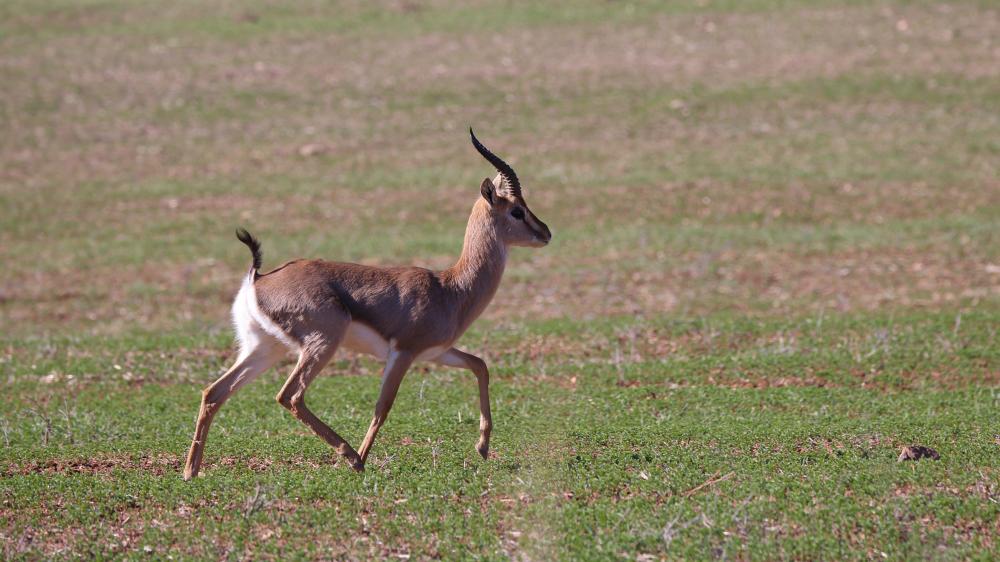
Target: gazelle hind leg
{"x":257,"y":354}
{"x":315,"y":354}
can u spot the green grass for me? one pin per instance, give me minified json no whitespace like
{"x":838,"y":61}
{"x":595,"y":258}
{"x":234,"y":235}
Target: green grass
{"x":775,"y":264}
{"x":602,"y":468}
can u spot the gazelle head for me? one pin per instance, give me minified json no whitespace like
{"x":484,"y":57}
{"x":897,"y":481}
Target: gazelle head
{"x":510,"y":214}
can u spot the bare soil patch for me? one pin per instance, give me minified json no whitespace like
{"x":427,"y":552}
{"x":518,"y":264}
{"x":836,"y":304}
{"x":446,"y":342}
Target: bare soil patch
{"x":157,"y":464}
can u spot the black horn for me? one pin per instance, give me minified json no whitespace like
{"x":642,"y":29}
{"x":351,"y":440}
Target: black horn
{"x":510,"y":178}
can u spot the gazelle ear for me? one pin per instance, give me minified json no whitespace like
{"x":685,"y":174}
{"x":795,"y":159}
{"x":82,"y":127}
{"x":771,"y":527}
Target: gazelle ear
{"x":488,"y":190}
{"x":499,"y":183}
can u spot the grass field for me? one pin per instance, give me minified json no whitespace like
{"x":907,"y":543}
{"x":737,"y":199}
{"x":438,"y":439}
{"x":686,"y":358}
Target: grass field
{"x":776,"y":262}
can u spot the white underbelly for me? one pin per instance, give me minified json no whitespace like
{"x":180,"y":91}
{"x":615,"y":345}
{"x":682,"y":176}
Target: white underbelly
{"x":362,"y":338}
{"x":431,"y":353}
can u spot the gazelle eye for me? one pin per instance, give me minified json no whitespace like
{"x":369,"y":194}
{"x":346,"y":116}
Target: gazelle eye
{"x":517,"y":213}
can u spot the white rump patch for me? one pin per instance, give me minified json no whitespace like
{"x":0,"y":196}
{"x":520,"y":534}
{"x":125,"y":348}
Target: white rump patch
{"x":252,"y":325}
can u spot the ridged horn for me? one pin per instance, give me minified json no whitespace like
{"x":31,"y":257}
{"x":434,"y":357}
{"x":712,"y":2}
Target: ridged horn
{"x":513,"y":185}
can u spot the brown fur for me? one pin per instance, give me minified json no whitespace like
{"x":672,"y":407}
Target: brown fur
{"x":415,"y":307}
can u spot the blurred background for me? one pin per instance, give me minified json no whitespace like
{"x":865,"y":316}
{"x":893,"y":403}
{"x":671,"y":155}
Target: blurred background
{"x":765,"y":157}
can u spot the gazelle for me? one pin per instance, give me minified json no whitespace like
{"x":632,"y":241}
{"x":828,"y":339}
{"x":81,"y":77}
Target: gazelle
{"x":399,"y":314}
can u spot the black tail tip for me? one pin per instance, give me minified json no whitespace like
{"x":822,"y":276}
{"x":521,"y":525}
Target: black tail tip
{"x":244,"y":236}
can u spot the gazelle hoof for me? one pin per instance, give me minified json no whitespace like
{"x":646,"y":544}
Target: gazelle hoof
{"x":484,"y":451}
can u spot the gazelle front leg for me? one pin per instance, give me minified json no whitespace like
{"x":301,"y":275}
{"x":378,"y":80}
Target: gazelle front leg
{"x":457,"y":358}
{"x":392,"y":375}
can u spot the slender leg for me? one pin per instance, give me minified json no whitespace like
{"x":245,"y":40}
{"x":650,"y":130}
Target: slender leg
{"x":392,"y":375}
{"x":250,"y":365}
{"x":457,"y":358}
{"x":292,"y":396}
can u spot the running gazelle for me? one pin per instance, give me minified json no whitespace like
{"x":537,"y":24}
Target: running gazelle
{"x":399,"y":314}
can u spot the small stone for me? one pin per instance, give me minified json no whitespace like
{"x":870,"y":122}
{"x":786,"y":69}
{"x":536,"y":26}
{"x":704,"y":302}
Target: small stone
{"x":917,"y":452}
{"x":312,"y":149}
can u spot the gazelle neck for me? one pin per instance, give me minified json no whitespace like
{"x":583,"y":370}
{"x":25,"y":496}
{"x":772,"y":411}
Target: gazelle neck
{"x":476,"y":275}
